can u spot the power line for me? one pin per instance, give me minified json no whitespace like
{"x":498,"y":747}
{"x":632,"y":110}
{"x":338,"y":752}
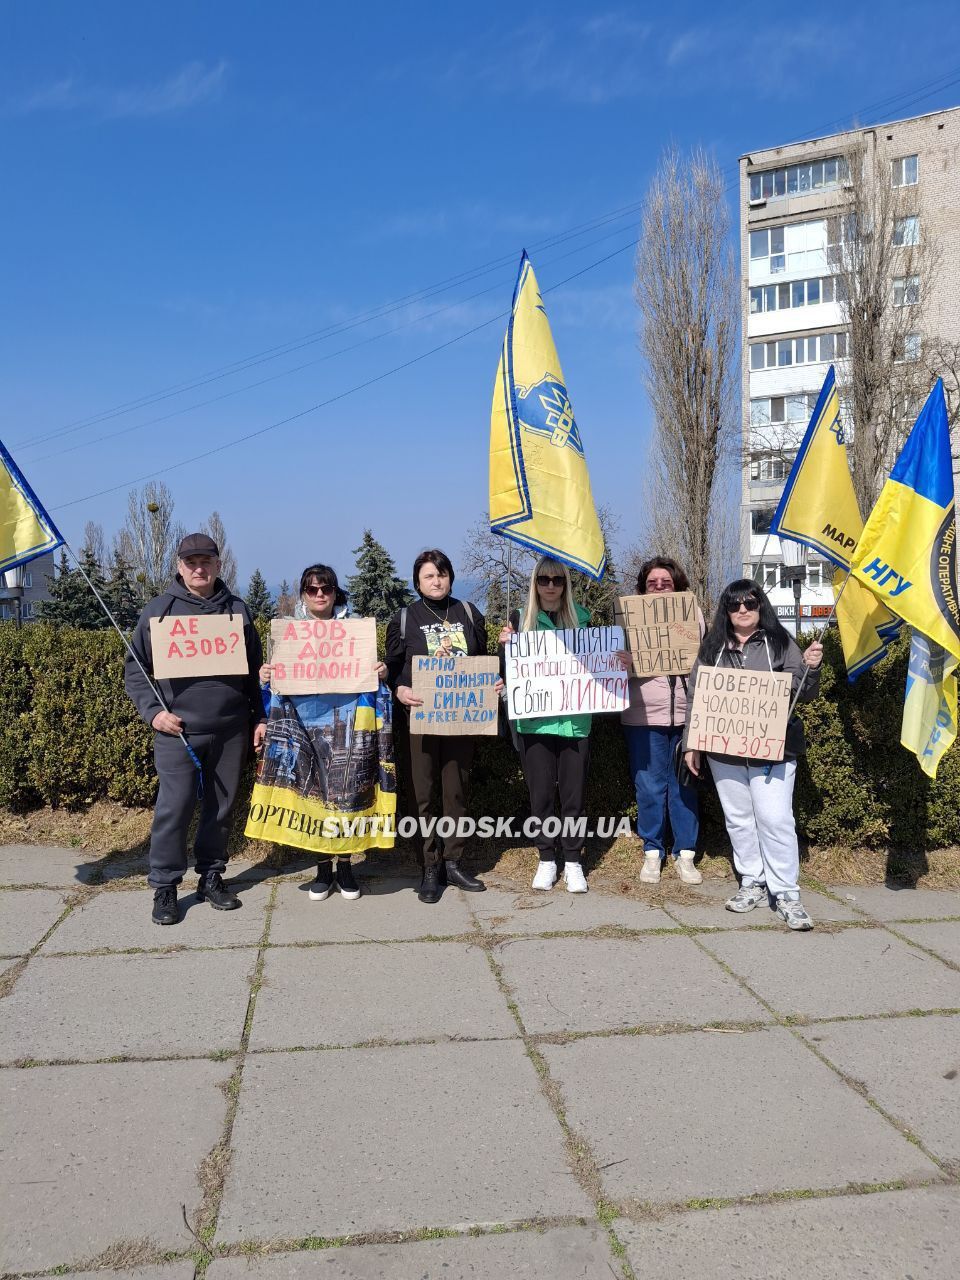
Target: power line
{"x":342,"y":395}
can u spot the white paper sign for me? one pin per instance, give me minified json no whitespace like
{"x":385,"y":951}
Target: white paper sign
{"x":565,"y":673}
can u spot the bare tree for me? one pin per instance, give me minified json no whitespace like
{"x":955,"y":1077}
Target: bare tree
{"x":94,"y":543}
{"x":484,"y":558}
{"x":286,"y":600}
{"x":149,"y":537}
{"x":228,"y":561}
{"x":687,"y":293}
{"x":885,"y":259}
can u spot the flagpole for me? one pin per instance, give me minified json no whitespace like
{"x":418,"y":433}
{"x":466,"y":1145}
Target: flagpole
{"x":763,"y":552}
{"x":509,"y":576}
{"x":830,"y":616}
{"x":129,"y":648}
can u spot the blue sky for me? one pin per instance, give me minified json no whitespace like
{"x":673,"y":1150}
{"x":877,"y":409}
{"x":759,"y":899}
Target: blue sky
{"x":187,"y":186}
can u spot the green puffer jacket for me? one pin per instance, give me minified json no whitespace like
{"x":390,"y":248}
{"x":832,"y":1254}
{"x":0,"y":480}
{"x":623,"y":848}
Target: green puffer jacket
{"x":559,"y":726}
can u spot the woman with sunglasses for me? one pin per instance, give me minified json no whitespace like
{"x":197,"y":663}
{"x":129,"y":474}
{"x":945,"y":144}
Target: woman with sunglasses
{"x":436,"y":625}
{"x":757,"y":798}
{"x":653,"y":728}
{"x":554,"y":751}
{"x":291,"y":717}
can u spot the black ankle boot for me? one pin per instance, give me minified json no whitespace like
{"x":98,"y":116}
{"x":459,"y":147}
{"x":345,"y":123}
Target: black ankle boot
{"x":165,"y":905}
{"x":212,"y":889}
{"x":462,"y":879}
{"x":430,"y":884}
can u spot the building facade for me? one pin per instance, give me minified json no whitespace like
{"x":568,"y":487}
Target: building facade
{"x":793,"y":201}
{"x":35,"y":588}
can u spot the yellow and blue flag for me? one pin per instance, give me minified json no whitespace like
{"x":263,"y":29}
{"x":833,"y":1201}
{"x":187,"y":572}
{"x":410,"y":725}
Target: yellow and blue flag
{"x":819,"y":508}
{"x":929,"y":726}
{"x":907,"y":553}
{"x":540,"y":494}
{"x":26,"y":530}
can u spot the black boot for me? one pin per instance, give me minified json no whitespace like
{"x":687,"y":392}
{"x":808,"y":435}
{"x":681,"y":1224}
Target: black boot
{"x":346,"y":881}
{"x":212,"y":889}
{"x":430,"y":884}
{"x":165,"y":905}
{"x":462,"y":879}
{"x":322,"y":886}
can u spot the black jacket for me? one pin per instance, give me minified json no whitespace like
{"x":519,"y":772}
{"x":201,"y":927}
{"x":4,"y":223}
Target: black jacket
{"x":424,"y":621}
{"x":206,"y":704}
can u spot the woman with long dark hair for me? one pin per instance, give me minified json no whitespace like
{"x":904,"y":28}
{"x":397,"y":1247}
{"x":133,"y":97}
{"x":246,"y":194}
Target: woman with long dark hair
{"x":653,"y":728}
{"x":757,"y":798}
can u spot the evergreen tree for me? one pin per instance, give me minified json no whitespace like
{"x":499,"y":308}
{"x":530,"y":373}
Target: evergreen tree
{"x":121,"y":594}
{"x":495,"y":606}
{"x":375,"y":590}
{"x":72,"y":603}
{"x":599,"y":597}
{"x":258,"y":598}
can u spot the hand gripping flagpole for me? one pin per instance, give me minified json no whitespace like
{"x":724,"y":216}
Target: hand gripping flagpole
{"x":826,"y":623}
{"x":146,"y":675}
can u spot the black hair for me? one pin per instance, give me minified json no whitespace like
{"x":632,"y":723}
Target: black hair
{"x":439,"y":561}
{"x":721,"y":633}
{"x":326,"y":577}
{"x":680,"y":580}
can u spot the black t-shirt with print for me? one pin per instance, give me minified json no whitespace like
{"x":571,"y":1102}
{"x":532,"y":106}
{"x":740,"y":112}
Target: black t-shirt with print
{"x":439,"y":629}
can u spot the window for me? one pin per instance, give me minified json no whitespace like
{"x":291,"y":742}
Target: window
{"x":799,"y":179}
{"x":814,"y":575}
{"x":817,"y":349}
{"x":760,"y":518}
{"x":767,"y":575}
{"x":906,"y":291}
{"x":905,"y":171}
{"x":28,"y":578}
{"x":908,"y":348}
{"x":906,"y":231}
{"x":800,"y":293}
{"x":768,"y":469}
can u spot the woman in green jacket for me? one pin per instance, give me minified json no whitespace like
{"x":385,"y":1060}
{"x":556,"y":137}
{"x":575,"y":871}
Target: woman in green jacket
{"x":554,"y":751}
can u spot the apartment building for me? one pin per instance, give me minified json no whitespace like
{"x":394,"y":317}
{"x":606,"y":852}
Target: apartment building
{"x":792,"y":204}
{"x":35,"y":588}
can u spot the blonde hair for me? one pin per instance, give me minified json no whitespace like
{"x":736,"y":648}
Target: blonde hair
{"x":566,"y":612}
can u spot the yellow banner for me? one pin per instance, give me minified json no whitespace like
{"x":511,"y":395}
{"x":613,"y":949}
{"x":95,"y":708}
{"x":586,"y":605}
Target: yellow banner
{"x":26,"y":531}
{"x":929,"y":726}
{"x":540,"y":494}
{"x":282,"y":815}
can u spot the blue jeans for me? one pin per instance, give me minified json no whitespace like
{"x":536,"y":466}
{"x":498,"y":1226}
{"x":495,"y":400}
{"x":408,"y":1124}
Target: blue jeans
{"x":650,"y":749}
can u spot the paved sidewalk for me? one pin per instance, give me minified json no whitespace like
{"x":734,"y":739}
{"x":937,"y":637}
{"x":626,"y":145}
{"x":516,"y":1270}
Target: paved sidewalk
{"x":506,"y":1084}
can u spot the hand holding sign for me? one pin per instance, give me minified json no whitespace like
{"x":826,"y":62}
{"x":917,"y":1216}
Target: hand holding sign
{"x":316,"y":655}
{"x":739,"y":713}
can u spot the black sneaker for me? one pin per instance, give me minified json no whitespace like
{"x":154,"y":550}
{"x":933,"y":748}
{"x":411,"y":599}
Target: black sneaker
{"x":323,"y":885}
{"x":346,"y":883}
{"x":165,"y":905}
{"x":212,"y":889}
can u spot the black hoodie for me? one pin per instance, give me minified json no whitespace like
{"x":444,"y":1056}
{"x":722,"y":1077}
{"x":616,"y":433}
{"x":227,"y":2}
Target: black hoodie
{"x":205,"y":704}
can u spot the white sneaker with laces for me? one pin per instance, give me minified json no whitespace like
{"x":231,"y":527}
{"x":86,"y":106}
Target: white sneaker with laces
{"x":574,"y":878}
{"x":687,"y":872}
{"x":546,"y":876}
{"x":793,"y":912}
{"x":747,"y":897}
{"x":650,"y":871}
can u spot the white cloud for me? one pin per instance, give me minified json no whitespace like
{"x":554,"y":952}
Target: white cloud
{"x":192,"y":85}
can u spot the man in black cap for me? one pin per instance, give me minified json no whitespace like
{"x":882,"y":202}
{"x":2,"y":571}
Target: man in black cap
{"x":215,"y":715}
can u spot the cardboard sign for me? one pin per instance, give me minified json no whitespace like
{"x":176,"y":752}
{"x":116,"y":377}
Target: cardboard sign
{"x":336,"y":655}
{"x":565,"y":673}
{"x":740,"y":713}
{"x":662,"y":630}
{"x":457,"y":695}
{"x":186,"y":645}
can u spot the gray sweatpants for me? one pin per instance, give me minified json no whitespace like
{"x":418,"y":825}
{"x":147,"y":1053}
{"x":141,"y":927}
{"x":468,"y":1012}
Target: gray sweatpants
{"x":758,"y":810}
{"x":223,"y":756}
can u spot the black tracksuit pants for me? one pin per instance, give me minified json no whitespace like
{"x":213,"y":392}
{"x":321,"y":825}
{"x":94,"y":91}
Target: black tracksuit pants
{"x":552,"y":764}
{"x":223,"y":756}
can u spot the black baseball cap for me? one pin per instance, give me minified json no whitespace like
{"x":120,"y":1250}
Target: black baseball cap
{"x":197,"y":544}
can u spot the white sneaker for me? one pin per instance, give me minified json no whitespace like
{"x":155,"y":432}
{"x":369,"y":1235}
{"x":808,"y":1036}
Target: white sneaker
{"x":574,"y":878}
{"x":650,"y":871}
{"x":546,"y":876}
{"x":687,"y":872}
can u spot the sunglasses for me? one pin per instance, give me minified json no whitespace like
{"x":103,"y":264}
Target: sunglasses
{"x":321,"y":589}
{"x":549,"y":580}
{"x":750,"y":603}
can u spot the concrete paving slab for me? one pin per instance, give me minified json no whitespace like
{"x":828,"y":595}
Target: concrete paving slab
{"x":523,"y":911}
{"x":346,"y":1141}
{"x":911,"y":1066}
{"x":893,"y":1233}
{"x":701,"y":1115}
{"x":711,"y":914}
{"x":943,"y":938}
{"x":88,"y":1162}
{"x":560,"y":1253}
{"x":92,"y":1007}
{"x":392,"y":991}
{"x":120,"y":920}
{"x":602,"y":984}
{"x":388,"y":911}
{"x":47,"y":865}
{"x":828,"y":975}
{"x":163,"y":1271}
{"x":891,"y":902}
{"x":25,"y":916}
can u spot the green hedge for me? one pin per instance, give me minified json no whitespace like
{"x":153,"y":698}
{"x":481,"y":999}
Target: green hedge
{"x":69,"y":736}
